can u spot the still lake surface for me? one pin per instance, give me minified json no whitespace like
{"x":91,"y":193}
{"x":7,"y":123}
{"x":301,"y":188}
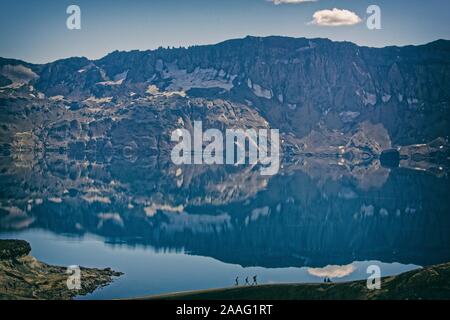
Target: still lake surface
{"x":184,"y":228}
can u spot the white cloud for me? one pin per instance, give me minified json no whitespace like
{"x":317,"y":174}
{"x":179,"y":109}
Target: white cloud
{"x":277,"y":2}
{"x":335,"y":17}
{"x":332,"y":271}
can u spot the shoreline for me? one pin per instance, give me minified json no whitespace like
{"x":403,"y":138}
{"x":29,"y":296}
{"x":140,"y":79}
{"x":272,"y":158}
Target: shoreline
{"x":23,"y":277}
{"x":432,"y":282}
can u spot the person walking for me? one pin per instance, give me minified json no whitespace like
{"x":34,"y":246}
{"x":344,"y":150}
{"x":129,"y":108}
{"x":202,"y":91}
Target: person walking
{"x":255,"y":282}
{"x":246,"y":282}
{"x":236,"y":281}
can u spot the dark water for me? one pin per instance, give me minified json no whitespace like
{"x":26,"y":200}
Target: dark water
{"x":174,"y":228}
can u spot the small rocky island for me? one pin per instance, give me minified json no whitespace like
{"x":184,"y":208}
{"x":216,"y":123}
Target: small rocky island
{"x":24,"y":277}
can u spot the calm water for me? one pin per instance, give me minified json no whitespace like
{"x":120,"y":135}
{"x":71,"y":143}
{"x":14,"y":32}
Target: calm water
{"x":182,"y":228}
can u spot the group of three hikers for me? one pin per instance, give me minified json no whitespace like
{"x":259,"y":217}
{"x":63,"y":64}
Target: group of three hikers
{"x":255,"y":282}
{"x":247,"y":283}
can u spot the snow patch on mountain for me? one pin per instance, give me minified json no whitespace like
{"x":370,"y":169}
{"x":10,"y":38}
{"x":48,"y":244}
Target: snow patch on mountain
{"x":386,"y":98}
{"x":259,"y":91}
{"x":367,"y":98}
{"x":181,"y":80}
{"x":118,"y":80}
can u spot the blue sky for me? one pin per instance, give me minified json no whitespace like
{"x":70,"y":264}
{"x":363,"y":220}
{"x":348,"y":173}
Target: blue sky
{"x":36,"y":31}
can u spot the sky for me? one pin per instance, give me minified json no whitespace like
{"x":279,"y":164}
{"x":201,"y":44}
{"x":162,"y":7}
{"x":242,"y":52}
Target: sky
{"x":36,"y":31}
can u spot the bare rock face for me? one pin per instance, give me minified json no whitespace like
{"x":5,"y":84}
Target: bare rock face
{"x":24,"y":277}
{"x":129,"y":100}
{"x":298,"y":85}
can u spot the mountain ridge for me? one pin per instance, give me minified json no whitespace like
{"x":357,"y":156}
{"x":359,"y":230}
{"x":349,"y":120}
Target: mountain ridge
{"x":298,"y":85}
{"x":24,"y":61}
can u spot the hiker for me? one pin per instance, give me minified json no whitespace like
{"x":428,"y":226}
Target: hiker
{"x":255,"y":282}
{"x":237,"y":281}
{"x":246,"y":281}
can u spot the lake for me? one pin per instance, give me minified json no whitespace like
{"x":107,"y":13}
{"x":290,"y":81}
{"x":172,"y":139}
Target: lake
{"x":176,"y":228}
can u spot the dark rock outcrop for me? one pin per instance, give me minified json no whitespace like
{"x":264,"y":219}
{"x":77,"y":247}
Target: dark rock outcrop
{"x":12,"y":249}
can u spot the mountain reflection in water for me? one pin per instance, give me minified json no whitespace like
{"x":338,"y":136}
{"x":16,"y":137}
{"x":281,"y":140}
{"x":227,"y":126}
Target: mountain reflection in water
{"x":315,"y":214}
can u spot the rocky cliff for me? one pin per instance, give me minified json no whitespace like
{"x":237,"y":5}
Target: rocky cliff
{"x":24,"y":277}
{"x":298,"y":85}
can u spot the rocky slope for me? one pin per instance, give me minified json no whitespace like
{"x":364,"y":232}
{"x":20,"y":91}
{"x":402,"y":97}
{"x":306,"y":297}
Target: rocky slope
{"x":298,"y":85}
{"x":24,"y":277}
{"x":313,"y":90}
{"x":430,"y":283}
